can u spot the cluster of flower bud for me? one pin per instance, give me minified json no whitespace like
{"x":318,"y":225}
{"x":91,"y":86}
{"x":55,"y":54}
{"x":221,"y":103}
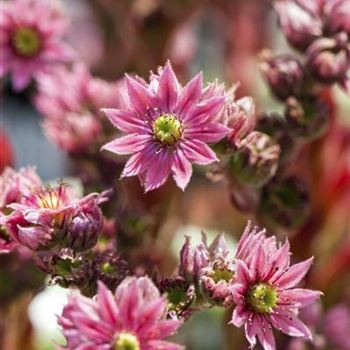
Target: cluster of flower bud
{"x":320,"y":29}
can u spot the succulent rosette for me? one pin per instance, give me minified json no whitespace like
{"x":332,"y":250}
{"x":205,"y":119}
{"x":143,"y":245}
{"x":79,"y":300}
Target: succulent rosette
{"x":167,"y":128}
{"x":133,"y":318}
{"x":31,"y":39}
{"x":264,"y":290}
{"x":50,"y":217}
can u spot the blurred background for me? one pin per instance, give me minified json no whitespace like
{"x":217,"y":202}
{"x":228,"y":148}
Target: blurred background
{"x":223,"y":38}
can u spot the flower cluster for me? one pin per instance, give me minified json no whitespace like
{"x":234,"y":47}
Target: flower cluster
{"x":42,"y":218}
{"x":32,"y":34}
{"x":259,"y":280}
{"x":322,"y":30}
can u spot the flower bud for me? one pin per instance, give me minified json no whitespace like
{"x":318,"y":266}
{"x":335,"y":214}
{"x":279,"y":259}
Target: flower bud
{"x":300,"y":25}
{"x":110,"y":268}
{"x":180,"y":296}
{"x":256,"y":159}
{"x":285,"y":202}
{"x":308,"y":119}
{"x":284,"y":74}
{"x":275,"y":125}
{"x":85,"y":226}
{"x":338,"y":15}
{"x":329,"y":59}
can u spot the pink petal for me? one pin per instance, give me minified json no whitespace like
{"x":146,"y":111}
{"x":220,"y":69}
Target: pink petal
{"x":242,"y":272}
{"x":267,"y":339}
{"x":289,"y":324}
{"x":280,"y":260}
{"x":209,"y":133}
{"x":141,"y":99}
{"x":21,"y":79}
{"x":182,"y":169}
{"x":158,"y":171}
{"x":294,"y":274}
{"x":198,"y":152}
{"x":127,"y":121}
{"x":127,"y":144}
{"x":298,"y":297}
{"x":240,"y":315}
{"x":107,"y":306}
{"x":168,"y":88}
{"x":205,"y":111}
{"x":252,"y":328}
{"x":190,"y":95}
{"x":258,"y":263}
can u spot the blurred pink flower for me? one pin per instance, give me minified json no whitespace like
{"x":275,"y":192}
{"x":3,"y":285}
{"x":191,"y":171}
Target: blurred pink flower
{"x":336,"y":326}
{"x":70,"y":101}
{"x":167,"y":128}
{"x":133,"y":318}
{"x":264,"y":292}
{"x":31,"y":39}
{"x":50,"y":217}
{"x":15,"y":185}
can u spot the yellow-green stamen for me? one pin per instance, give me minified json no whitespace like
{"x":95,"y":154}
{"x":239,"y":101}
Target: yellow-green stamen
{"x":167,"y":129}
{"x":26,"y":41}
{"x":126,"y":341}
{"x":262,"y":297}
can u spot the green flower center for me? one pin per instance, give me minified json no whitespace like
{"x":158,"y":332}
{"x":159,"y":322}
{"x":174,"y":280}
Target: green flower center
{"x":221,"y":274}
{"x":26,"y":41}
{"x":167,"y":129}
{"x":126,"y":341}
{"x":262,"y":297}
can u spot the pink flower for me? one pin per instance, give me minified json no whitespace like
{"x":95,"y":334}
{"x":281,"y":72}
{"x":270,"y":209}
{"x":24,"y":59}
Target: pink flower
{"x":264,"y":292}
{"x":133,"y":318}
{"x":336,"y":326}
{"x":31,"y":39}
{"x":70,"y":101}
{"x":14,"y":186}
{"x":167,"y":128}
{"x":50,"y":217}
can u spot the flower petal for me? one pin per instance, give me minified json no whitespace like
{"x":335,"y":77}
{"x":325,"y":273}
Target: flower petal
{"x":158,"y":171}
{"x":294,"y":274}
{"x":127,"y":144}
{"x":198,"y":152}
{"x":127,"y":121}
{"x":108,"y":308}
{"x":205,"y":111}
{"x":182,"y":169}
{"x":209,"y":133}
{"x":289,"y":324}
{"x":168,"y":88}
{"x":240,"y":315}
{"x":141,"y":99}
{"x":189,"y":95}
{"x":267,"y":338}
{"x":298,"y":297}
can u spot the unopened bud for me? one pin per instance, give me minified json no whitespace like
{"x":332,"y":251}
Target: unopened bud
{"x":284,"y":74}
{"x":300,"y":25}
{"x":308,"y":119}
{"x":256,"y":159}
{"x":338,"y":15}
{"x":285,"y":202}
{"x":329,"y":59}
{"x":85,"y":227}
